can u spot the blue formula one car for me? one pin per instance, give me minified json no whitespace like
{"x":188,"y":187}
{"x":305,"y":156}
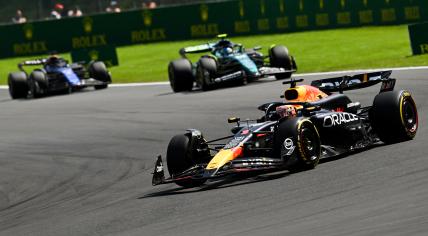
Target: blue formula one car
{"x":56,"y":75}
{"x":228,"y":62}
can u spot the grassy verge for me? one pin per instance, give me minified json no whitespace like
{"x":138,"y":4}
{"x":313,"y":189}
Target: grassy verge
{"x":328,"y":50}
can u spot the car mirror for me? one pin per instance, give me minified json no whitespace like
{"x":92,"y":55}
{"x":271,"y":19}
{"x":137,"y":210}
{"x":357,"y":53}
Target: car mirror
{"x":233,"y":120}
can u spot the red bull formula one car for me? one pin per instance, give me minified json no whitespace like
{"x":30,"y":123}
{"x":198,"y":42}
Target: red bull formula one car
{"x":315,"y":121}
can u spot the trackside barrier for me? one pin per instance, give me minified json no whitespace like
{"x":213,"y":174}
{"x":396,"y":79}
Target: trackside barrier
{"x":235,"y":17}
{"x":419,"y":38}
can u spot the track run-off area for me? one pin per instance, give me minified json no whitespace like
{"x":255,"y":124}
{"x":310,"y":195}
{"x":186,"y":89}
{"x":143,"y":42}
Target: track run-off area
{"x":81,"y":164}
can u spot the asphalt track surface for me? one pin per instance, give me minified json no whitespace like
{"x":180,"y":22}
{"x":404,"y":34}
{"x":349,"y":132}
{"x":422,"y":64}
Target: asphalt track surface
{"x":80,"y":165}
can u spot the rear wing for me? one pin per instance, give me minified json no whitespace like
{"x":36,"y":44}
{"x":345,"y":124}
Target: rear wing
{"x":344,"y":83}
{"x":196,"y":49}
{"x":35,"y":62}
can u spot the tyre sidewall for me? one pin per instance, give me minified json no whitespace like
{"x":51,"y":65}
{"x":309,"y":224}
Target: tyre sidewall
{"x":18,"y":85}
{"x":180,"y":75}
{"x":290,"y":147}
{"x":387,"y":117}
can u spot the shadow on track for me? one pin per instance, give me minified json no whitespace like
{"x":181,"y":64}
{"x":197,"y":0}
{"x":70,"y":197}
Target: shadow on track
{"x":231,"y":181}
{"x":249,"y":178}
{"x":197,"y":90}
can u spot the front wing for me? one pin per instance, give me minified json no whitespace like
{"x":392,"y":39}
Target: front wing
{"x":199,"y":171}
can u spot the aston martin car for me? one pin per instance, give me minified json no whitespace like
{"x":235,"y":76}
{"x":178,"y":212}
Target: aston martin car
{"x":225,"y":62}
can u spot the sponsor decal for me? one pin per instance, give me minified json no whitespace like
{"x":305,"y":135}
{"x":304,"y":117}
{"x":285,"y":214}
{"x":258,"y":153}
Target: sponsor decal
{"x":338,"y":119}
{"x":28,"y":31}
{"x":204,"y":12}
{"x":87,"y":24}
{"x":147,"y":17}
{"x":424,"y":48}
{"x":94,"y":55}
{"x":242,"y":26}
{"x":204,"y":30}
{"x":234,"y":142}
{"x":281,"y":6}
{"x":289,"y":145}
{"x":148,"y":35}
{"x":262,"y":7}
{"x":241,"y":9}
{"x":30,"y":48}
{"x":89,"y":41}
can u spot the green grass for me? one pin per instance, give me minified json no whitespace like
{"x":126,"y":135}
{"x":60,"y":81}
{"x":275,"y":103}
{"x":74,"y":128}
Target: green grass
{"x":316,"y":51}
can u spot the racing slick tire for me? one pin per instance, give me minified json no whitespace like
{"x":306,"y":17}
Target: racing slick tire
{"x":98,"y":71}
{"x":180,"y":75}
{"x":38,"y":83}
{"x":180,"y":157}
{"x":394,"y":116}
{"x":18,"y":85}
{"x":205,"y":71}
{"x":279,"y":57}
{"x":298,"y":143}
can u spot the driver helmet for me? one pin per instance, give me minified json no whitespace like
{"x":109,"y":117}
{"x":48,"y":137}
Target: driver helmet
{"x":286,"y":111}
{"x":227,"y":50}
{"x":53,"y":60}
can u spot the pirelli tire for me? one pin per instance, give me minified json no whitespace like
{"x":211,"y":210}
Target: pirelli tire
{"x":39,"y":83}
{"x":18,"y":85}
{"x":394,"y":116}
{"x":98,"y":71}
{"x":298,"y":143}
{"x":205,"y":72}
{"x":180,"y":75}
{"x":180,"y":157}
{"x":280,"y":58}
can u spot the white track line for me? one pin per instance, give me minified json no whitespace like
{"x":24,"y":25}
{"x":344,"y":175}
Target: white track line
{"x":296,"y":75}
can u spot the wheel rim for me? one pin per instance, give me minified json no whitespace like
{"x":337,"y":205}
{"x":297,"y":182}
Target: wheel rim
{"x":310,"y":144}
{"x":410,"y":116}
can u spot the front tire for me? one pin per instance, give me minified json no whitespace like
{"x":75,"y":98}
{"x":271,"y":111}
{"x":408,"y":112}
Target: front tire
{"x":180,"y":157}
{"x":180,"y":75}
{"x":394,"y":116}
{"x":298,"y":143}
{"x":18,"y":85}
{"x":279,"y":57}
{"x":39,"y":84}
{"x":98,"y":71}
{"x":207,"y":68}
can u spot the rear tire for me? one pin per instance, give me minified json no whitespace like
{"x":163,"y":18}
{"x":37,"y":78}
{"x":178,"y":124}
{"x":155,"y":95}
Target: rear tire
{"x":207,"y":68}
{"x":180,"y":157}
{"x":180,"y":75}
{"x":18,"y":85}
{"x":394,"y":116}
{"x":280,"y":58}
{"x":298,"y":143}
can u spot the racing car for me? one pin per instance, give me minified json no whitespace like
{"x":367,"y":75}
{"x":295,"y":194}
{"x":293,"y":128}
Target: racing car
{"x":315,"y":121}
{"x":56,"y":75}
{"x":228,"y":62}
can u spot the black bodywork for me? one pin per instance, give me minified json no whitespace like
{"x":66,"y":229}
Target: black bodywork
{"x":268,"y":143}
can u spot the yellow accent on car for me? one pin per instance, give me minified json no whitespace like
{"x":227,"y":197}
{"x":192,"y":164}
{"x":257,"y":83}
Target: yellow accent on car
{"x":223,"y":157}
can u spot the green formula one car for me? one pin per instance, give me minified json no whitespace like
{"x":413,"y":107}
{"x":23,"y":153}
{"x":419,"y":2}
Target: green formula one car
{"x":228,"y":63}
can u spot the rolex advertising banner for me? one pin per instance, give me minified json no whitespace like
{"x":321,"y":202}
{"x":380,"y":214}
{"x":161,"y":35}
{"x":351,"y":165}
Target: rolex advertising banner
{"x":419,"y":38}
{"x":234,"y":17}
